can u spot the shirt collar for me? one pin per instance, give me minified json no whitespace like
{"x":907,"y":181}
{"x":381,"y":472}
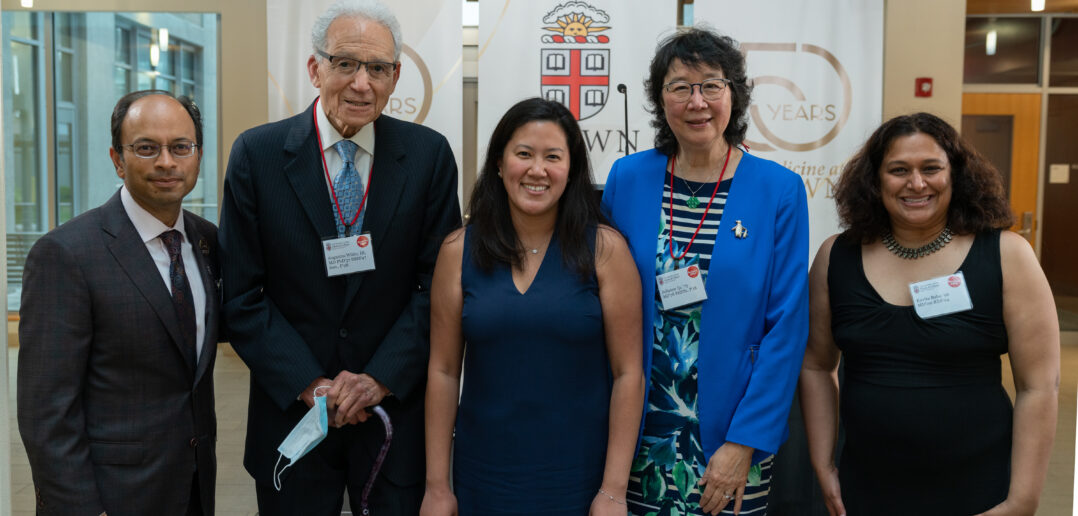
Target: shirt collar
{"x":148,"y":226}
{"x":364,"y":137}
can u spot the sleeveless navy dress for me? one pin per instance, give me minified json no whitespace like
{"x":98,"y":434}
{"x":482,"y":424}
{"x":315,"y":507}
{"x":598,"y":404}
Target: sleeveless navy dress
{"x":532,"y":426}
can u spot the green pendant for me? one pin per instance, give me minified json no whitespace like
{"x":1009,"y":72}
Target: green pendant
{"x":693,"y":202}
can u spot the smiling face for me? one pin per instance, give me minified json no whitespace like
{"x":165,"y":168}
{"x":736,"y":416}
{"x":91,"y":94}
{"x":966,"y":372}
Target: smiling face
{"x":535,"y":168}
{"x":351,"y":102}
{"x":157,"y":184}
{"x":697,"y":123}
{"x":915,"y":182}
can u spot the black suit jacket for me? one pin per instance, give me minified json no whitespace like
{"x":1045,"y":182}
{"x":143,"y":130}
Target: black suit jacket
{"x":290,"y":322}
{"x":112,"y":416}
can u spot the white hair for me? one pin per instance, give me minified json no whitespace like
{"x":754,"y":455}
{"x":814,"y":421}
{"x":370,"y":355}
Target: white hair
{"x":370,"y":9}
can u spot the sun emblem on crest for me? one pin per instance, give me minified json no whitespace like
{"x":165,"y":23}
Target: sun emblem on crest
{"x":575,"y":24}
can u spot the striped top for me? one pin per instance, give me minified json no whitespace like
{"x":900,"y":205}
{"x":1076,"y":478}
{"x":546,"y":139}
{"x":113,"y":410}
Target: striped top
{"x":686,"y":219}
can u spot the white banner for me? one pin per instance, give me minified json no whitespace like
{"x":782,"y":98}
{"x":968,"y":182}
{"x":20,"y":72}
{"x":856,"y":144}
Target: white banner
{"x":818,"y":74}
{"x":430,"y":88}
{"x":577,"y":53}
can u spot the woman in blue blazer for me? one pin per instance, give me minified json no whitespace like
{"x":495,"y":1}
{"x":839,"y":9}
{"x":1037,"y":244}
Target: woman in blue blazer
{"x":725,"y":300}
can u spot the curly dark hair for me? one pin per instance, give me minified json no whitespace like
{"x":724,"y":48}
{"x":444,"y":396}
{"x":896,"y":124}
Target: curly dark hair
{"x":696,"y":46}
{"x":495,"y":238}
{"x":978,"y":201}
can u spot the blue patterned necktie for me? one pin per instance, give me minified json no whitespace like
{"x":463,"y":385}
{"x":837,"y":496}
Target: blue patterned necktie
{"x":181,"y":294}
{"x":349,"y":188}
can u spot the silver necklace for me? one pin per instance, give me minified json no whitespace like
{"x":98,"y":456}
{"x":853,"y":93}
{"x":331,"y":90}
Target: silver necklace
{"x":909,"y":253}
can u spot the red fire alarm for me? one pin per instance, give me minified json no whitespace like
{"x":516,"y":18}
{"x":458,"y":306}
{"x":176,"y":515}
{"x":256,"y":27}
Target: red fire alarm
{"x":922,"y":87}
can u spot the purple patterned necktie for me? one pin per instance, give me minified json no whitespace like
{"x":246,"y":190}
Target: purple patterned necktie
{"x":349,"y":189}
{"x":181,"y":294}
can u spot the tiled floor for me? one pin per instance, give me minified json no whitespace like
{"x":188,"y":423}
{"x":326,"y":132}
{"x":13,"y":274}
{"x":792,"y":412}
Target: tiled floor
{"x":235,"y":489}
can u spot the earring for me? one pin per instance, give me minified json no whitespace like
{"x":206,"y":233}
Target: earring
{"x":499,"y":173}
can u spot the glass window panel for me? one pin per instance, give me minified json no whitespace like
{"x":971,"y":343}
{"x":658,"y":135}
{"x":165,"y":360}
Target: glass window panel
{"x":167,"y":64}
{"x":1063,"y":66}
{"x":145,"y":81}
{"x":25,"y":139}
{"x":23,"y":24}
{"x":63,"y":26}
{"x":1002,"y":50}
{"x":65,"y":170}
{"x":189,"y":90}
{"x":143,"y":48}
{"x":65,"y":77}
{"x":168,"y":85}
{"x":188,"y":64}
{"x":121,"y":77}
{"x":122,"y":45}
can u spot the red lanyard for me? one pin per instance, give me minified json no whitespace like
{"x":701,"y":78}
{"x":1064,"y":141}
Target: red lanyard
{"x":673,"y":164}
{"x":366,"y":188}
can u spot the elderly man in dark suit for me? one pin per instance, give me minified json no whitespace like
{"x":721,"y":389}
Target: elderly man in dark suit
{"x":118,"y":333}
{"x":340,"y":175}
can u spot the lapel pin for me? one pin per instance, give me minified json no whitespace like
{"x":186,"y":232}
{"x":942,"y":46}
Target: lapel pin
{"x":740,"y":231}
{"x":204,"y":246}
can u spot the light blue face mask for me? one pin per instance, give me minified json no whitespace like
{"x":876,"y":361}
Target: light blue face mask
{"x":304,"y":437}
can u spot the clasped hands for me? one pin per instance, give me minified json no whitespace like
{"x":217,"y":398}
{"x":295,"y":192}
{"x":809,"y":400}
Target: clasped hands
{"x":348,"y":398}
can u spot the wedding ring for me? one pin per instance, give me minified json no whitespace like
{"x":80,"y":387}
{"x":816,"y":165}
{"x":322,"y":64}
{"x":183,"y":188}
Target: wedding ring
{"x":728,"y":497}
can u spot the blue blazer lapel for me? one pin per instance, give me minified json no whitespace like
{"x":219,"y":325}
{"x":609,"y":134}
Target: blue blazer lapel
{"x":130,"y":252}
{"x":387,"y":182}
{"x":307,"y":175}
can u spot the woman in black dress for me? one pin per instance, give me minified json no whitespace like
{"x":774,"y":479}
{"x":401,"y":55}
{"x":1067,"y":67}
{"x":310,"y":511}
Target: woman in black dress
{"x":922,"y":293}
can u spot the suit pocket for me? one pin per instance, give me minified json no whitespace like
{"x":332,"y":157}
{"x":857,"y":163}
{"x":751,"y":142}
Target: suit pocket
{"x":102,"y":452}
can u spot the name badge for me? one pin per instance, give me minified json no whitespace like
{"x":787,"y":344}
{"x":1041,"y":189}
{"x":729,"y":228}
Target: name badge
{"x":348,"y":255}
{"x":940,"y":296}
{"x":681,"y":287}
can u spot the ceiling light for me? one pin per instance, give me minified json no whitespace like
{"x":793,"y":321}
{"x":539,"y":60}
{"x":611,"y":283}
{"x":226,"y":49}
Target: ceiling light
{"x":29,"y":4}
{"x":155,"y":54}
{"x":989,"y":43}
{"x":1036,"y":5}
{"x":162,"y":38}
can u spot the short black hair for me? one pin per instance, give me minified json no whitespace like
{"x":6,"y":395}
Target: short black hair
{"x":119,"y":113}
{"x":695,"y":46}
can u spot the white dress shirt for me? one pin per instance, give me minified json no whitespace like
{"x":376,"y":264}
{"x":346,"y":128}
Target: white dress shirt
{"x":149,"y":229}
{"x":364,"y":138}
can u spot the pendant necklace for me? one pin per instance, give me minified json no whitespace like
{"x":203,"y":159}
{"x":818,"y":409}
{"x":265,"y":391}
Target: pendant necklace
{"x":694,"y":201}
{"x":910,"y":253}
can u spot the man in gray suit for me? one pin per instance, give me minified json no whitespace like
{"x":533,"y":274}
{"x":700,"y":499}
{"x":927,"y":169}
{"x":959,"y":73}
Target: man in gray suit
{"x":118,"y":333}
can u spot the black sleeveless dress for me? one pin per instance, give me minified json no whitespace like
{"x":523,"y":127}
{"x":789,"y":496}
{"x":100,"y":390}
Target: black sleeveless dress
{"x":928,"y":423}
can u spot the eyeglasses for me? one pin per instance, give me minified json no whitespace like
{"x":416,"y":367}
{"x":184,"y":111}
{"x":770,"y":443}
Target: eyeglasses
{"x":711,"y":89}
{"x":150,"y":150}
{"x":347,"y":67}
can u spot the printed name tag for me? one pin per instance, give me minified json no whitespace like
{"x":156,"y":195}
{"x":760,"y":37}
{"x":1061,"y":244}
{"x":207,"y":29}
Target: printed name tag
{"x":941,"y":296}
{"x":681,"y":287}
{"x":348,"y":254}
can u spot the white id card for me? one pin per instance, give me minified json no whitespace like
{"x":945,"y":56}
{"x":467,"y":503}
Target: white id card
{"x":941,"y":296}
{"x":681,"y":287}
{"x":349,"y":254}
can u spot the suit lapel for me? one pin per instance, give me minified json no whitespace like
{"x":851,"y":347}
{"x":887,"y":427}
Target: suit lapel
{"x":387,"y":183}
{"x":130,"y":252}
{"x":306,"y":174}
{"x":201,"y":250}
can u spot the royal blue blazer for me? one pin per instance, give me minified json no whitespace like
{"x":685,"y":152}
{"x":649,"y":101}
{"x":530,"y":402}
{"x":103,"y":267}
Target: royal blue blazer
{"x":754,"y":323}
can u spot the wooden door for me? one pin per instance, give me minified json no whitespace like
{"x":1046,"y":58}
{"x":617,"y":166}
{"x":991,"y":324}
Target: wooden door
{"x":1025,"y":112}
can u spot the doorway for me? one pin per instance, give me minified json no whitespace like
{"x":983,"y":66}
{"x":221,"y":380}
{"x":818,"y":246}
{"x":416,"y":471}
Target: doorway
{"x":1011,"y":121}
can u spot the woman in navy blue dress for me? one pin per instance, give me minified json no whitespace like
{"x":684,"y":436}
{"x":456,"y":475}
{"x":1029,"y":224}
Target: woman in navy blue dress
{"x":537,"y":301}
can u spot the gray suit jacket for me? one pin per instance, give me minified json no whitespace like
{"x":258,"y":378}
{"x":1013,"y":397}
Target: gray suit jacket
{"x":112,"y":416}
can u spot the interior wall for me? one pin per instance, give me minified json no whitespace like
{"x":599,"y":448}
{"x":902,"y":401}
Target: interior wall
{"x":924,"y":38}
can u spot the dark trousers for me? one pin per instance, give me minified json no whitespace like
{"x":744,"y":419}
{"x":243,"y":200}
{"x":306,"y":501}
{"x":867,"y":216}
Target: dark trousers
{"x":316,"y":483}
{"x":194,"y":504}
